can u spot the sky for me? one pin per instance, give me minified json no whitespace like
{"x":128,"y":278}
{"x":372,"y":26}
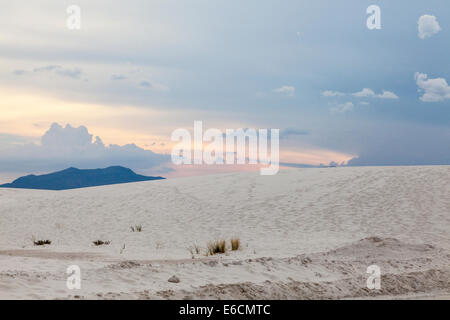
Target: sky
{"x":138,"y":70}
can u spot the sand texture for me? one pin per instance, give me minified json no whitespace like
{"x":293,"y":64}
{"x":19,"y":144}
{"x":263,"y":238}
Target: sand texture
{"x":305,"y":234}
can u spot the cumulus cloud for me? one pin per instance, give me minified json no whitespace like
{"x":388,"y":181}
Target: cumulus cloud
{"x":369,"y":93}
{"x":286,"y":90}
{"x":366,"y":92}
{"x":342,"y":108}
{"x":387,"y":95}
{"x":63,"y":147}
{"x":434,"y":90}
{"x":329,"y":93}
{"x":428,"y":26}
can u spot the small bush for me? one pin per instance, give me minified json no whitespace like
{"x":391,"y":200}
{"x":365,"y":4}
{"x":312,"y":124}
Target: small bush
{"x":42,"y":242}
{"x":217,"y":246}
{"x":101,"y":243}
{"x":195,"y":249}
{"x":137,"y":228}
{"x":235,"y":244}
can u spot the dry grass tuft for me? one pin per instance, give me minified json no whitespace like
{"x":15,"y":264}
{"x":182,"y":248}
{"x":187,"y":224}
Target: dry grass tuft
{"x":195,"y":249}
{"x":235,"y":244}
{"x":42,"y":242}
{"x":136,"y":228}
{"x":217,"y":246}
{"x":101,"y":243}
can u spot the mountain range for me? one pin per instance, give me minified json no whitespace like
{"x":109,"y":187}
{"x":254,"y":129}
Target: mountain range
{"x":73,"y":178}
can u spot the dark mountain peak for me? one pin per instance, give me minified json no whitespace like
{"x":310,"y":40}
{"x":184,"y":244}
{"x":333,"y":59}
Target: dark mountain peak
{"x":71,"y":169}
{"x":72,"y":178}
{"x":118,"y":169}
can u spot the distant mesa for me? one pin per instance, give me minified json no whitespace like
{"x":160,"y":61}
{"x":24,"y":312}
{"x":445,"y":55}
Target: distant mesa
{"x":73,"y":178}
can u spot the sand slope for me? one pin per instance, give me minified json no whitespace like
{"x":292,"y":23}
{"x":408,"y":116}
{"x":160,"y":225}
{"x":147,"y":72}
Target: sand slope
{"x":306,"y":233}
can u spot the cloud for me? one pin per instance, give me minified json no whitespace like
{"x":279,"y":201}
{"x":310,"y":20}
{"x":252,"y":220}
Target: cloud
{"x":369,"y":93}
{"x":387,"y":95}
{"x":19,"y":72}
{"x":395,"y":143}
{"x":46,"y":68}
{"x":329,"y":93}
{"x":145,"y":84}
{"x":153,"y":86}
{"x":118,"y":77}
{"x":289,"y":132}
{"x":63,"y":147}
{"x":74,"y":73}
{"x":435,"y":90}
{"x":287,"y":90}
{"x":428,"y":26}
{"x":366,"y":92}
{"x":342,"y":108}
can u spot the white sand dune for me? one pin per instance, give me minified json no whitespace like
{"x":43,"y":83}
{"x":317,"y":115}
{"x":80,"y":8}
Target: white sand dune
{"x":305,"y":233}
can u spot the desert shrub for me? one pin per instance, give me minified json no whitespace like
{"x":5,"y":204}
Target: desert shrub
{"x":136,"y":228}
{"x":101,"y":243}
{"x":42,"y":242}
{"x":235,"y":244}
{"x":217,"y":246}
